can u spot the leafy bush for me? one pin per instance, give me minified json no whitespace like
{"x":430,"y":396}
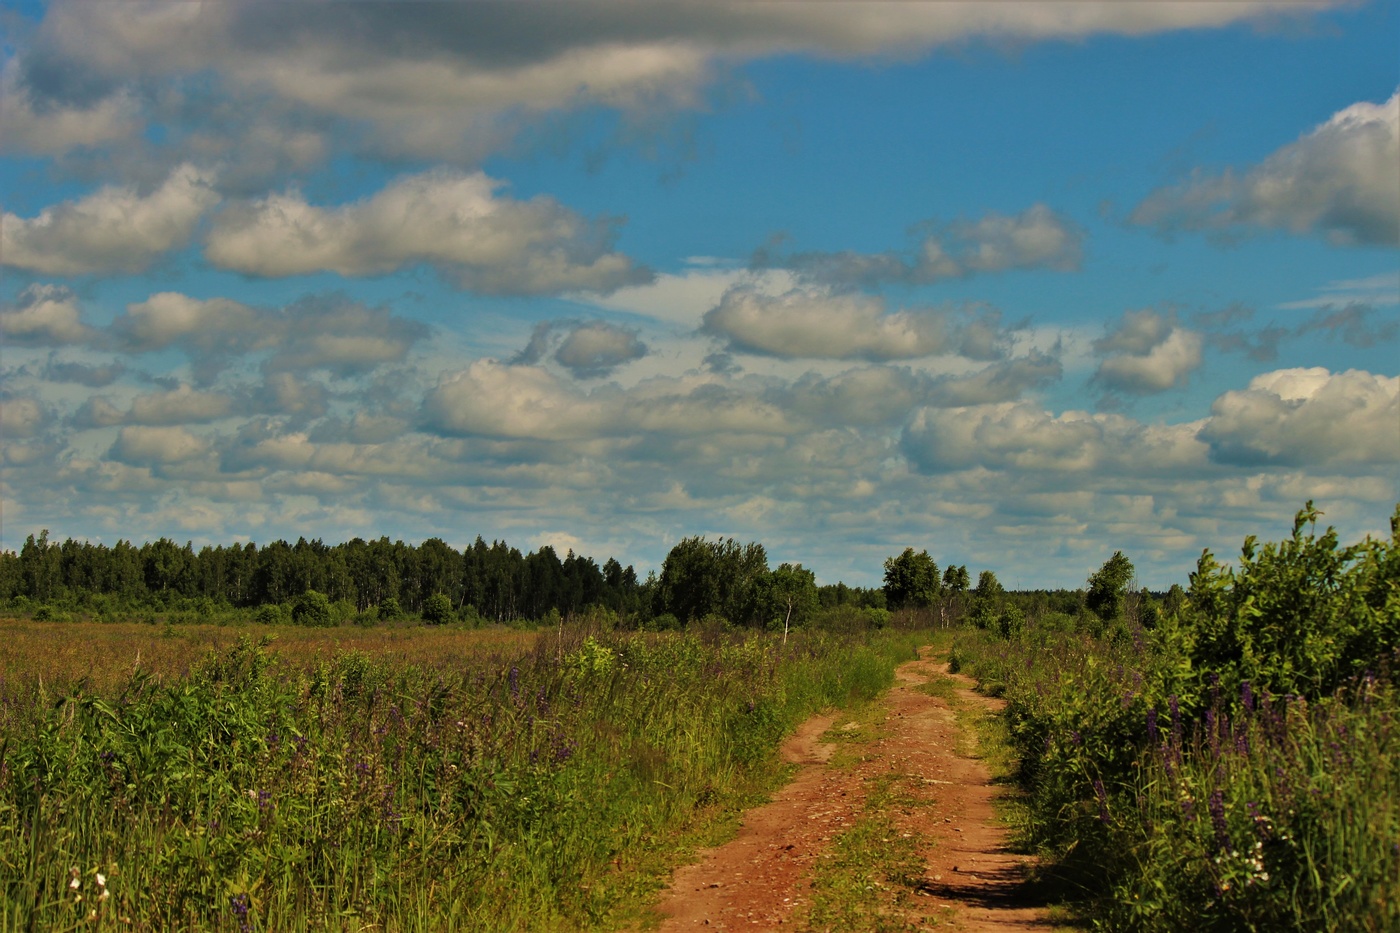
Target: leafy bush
{"x":1208,"y":773}
{"x":437,"y":609}
{"x":389,"y":609}
{"x":312,"y":609}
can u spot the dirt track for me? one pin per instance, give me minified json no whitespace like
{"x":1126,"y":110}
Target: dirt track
{"x":761,"y":880}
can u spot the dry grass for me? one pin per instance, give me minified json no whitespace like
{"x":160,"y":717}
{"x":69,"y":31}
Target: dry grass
{"x":59,"y":654}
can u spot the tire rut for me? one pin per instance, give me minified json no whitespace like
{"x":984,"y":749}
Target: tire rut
{"x":762,"y":879}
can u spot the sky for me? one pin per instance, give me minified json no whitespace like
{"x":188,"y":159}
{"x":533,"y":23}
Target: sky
{"x":1021,"y":284}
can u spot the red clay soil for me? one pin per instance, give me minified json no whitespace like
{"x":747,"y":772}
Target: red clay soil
{"x":762,"y":878}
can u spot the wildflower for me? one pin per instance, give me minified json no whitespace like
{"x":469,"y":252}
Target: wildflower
{"x":73,"y":876}
{"x":1217,"y":818}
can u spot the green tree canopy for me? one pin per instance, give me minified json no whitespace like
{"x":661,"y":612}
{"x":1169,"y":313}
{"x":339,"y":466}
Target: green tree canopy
{"x":790,"y":594}
{"x":911,"y":580}
{"x":723,"y":577}
{"x":1107,"y":586}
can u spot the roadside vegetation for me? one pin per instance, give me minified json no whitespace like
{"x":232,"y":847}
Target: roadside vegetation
{"x":1222,"y":758}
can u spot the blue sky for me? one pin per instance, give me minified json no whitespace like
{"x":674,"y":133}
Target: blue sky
{"x":1021,"y":284}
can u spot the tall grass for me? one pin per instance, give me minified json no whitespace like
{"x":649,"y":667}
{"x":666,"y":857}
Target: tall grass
{"x":542,"y":789}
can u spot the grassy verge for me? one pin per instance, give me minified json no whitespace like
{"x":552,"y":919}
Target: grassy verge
{"x":517,"y":787}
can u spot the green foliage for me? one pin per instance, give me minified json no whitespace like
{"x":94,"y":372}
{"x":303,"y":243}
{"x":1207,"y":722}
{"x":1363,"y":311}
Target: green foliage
{"x":722,"y":577}
{"x":437,"y":609}
{"x":1297,"y":617}
{"x":911,"y":580}
{"x":390,"y":609}
{"x":1233,"y":768}
{"x":312,"y":609}
{"x":789,"y":594}
{"x":1104,"y":597}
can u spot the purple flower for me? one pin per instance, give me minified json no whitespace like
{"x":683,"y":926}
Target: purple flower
{"x":241,"y":904}
{"x":1102,"y":796}
{"x":1152,"y":725}
{"x":1217,"y":819}
{"x":1247,"y":695}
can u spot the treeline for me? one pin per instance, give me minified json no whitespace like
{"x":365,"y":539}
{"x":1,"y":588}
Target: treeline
{"x":498,"y":581}
{"x":381,"y":579}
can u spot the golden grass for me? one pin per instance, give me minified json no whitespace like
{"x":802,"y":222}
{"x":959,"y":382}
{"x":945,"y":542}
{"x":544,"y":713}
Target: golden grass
{"x":62,"y":653}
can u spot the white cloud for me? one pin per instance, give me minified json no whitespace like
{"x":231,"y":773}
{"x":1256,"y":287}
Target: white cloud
{"x":46,"y":315}
{"x":1297,"y":417}
{"x":166,"y":318}
{"x":112,"y":229}
{"x":587,"y":349}
{"x":316,"y":332}
{"x":1342,"y":179}
{"x":683,"y":298}
{"x":55,"y":128}
{"x":456,"y":222}
{"x":182,"y":405}
{"x":139,"y":445}
{"x":495,"y":400}
{"x":815,"y":323}
{"x":454,"y":79}
{"x":1022,"y":437}
{"x":21,"y":416}
{"x":1147,"y":353}
{"x":1037,"y":238}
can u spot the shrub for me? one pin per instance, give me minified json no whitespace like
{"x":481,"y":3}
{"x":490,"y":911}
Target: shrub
{"x":390,"y":609}
{"x":437,"y":609}
{"x":312,"y":609}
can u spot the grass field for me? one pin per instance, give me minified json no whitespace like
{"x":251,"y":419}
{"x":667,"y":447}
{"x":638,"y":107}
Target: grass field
{"x":199,"y":777}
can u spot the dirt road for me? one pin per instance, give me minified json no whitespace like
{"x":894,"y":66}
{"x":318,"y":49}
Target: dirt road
{"x":931,"y":806}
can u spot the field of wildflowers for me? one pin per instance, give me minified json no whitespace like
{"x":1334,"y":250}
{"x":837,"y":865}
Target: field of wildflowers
{"x":1233,"y":766}
{"x":522,"y":785}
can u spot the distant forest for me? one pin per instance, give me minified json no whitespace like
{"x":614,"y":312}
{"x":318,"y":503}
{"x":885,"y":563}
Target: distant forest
{"x":381,"y":579}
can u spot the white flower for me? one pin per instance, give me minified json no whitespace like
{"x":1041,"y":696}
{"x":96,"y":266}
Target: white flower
{"x":101,"y":880}
{"x":74,"y":884}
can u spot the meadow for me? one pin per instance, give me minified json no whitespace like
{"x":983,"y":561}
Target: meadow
{"x":409,"y":778}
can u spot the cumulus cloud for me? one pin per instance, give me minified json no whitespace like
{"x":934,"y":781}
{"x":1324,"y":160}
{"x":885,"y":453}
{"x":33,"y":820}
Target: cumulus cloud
{"x":150,"y":446}
{"x":587,"y":349}
{"x":1310,"y":416}
{"x":50,"y":127}
{"x":1003,"y":381}
{"x":1021,"y":436}
{"x":458,"y":223}
{"x":492,"y":399}
{"x":181,"y":405}
{"x":1146,"y":353}
{"x":817,"y":323}
{"x":22,"y":416}
{"x":1340,"y":179}
{"x":114,"y":229}
{"x":45,"y":315}
{"x":1037,"y":238}
{"x":316,"y":332}
{"x":94,"y":376}
{"x":441,"y":80}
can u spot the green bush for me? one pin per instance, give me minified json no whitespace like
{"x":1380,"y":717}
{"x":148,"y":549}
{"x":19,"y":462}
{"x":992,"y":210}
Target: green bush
{"x":312,"y":609}
{"x":437,"y":609}
{"x":389,"y":609}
